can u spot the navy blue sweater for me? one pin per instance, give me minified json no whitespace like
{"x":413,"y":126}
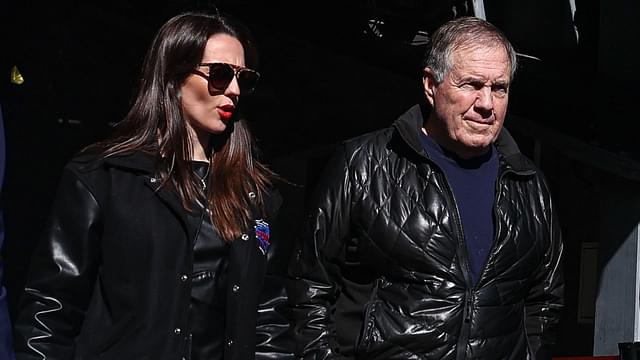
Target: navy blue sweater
{"x":473,"y":182}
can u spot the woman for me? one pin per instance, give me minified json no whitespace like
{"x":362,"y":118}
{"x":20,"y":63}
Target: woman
{"x":156,"y":246}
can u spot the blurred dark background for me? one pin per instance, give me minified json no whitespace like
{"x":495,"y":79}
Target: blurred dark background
{"x":330,"y":70}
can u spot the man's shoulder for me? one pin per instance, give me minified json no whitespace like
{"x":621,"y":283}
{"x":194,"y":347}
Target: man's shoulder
{"x":399,"y":137}
{"x":371,"y":143}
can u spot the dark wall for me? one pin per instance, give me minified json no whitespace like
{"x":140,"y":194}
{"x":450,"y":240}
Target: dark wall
{"x":617,"y":76}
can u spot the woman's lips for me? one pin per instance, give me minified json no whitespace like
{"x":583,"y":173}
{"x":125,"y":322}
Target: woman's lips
{"x":225,"y":112}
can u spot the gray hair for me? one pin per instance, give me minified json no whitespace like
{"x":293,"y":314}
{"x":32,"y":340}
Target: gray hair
{"x":460,"y":33}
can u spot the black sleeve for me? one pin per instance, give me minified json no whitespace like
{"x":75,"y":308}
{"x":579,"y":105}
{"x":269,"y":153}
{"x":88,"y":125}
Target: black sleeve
{"x":315,"y":266}
{"x":273,"y":338}
{"x":545,"y":299}
{"x":62,"y":274}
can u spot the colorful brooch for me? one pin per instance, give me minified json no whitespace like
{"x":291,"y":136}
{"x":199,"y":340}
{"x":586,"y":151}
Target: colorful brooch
{"x":262,"y":233}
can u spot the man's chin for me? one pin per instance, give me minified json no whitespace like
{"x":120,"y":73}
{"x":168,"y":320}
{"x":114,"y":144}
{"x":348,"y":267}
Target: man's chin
{"x":476,"y":141}
{"x":475,"y":147}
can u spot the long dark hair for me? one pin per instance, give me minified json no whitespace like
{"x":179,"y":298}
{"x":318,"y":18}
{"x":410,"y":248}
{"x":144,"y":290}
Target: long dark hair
{"x":155,"y":125}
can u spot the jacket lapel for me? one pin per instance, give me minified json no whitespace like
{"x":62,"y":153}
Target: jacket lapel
{"x":146,"y":164}
{"x":172,"y":201}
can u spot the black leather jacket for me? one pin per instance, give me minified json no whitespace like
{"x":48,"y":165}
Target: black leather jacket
{"x":383,"y":272}
{"x":111,"y":276}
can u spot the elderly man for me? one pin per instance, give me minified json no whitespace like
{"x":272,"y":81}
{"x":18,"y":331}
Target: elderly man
{"x":434,"y":238}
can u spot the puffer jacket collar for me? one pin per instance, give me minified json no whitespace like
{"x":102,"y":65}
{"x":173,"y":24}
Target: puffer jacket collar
{"x":409,"y":126}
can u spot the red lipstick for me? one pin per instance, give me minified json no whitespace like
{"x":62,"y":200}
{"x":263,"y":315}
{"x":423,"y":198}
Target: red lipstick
{"x":225,"y":112}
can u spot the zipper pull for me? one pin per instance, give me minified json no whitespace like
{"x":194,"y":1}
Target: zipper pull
{"x":468,"y":308}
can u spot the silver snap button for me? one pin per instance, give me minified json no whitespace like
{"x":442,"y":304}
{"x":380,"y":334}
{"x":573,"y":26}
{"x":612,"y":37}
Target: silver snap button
{"x":252,"y":194}
{"x":235,"y":288}
{"x":177,"y":331}
{"x":153,"y":180}
{"x":184,"y":277}
{"x":245,"y":237}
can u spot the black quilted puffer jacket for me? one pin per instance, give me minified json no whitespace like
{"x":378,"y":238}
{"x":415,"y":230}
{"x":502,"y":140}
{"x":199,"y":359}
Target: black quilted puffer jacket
{"x":382,"y":271}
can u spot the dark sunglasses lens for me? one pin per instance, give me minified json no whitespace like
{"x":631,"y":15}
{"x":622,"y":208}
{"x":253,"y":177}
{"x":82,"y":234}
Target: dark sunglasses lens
{"x":220,"y":75}
{"x":247,"y":79}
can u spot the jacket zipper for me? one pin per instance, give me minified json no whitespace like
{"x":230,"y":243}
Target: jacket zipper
{"x":495,"y":215}
{"x":470,"y":295}
{"x":463,"y":338}
{"x":201,"y":275}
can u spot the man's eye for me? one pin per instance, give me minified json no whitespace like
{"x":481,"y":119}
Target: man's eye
{"x":499,"y":90}
{"x":472,"y":85}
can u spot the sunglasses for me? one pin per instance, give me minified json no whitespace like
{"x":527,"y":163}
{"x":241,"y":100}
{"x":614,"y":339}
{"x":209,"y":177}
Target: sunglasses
{"x":221,"y":75}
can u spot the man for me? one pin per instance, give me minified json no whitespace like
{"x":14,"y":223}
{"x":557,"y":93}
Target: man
{"x":435,"y":238}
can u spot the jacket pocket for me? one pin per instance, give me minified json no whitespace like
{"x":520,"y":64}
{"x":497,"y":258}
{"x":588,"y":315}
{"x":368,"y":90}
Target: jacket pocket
{"x":203,"y":285}
{"x":390,"y":319}
{"x":363,"y":342}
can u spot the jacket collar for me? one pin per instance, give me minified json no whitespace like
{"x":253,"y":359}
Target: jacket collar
{"x":409,"y":126}
{"x":137,"y":161}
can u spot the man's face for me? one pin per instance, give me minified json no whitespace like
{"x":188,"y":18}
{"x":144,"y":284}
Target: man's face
{"x":470,"y":104}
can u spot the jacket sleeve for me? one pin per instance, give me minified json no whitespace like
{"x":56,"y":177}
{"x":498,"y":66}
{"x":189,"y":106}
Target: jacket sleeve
{"x":315,"y":267}
{"x":273,"y":340}
{"x":545,"y":300}
{"x":61,"y":275}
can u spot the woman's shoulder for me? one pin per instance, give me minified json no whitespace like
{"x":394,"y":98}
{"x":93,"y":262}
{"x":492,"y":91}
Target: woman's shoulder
{"x":97,"y":171}
{"x":272,"y":199}
{"x":85,"y":160}
{"x":91,"y":160}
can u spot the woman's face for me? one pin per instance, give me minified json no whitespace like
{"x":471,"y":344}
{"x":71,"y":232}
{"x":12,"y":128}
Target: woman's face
{"x":208,"y":110}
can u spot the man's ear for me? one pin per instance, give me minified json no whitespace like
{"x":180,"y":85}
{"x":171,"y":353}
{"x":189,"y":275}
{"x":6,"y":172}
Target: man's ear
{"x":429,"y":82}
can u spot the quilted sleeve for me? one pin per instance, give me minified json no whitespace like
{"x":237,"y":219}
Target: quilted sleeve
{"x":316,"y":262}
{"x":545,"y":300}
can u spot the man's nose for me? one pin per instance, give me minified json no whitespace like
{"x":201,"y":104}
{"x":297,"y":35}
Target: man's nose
{"x":484,"y":99}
